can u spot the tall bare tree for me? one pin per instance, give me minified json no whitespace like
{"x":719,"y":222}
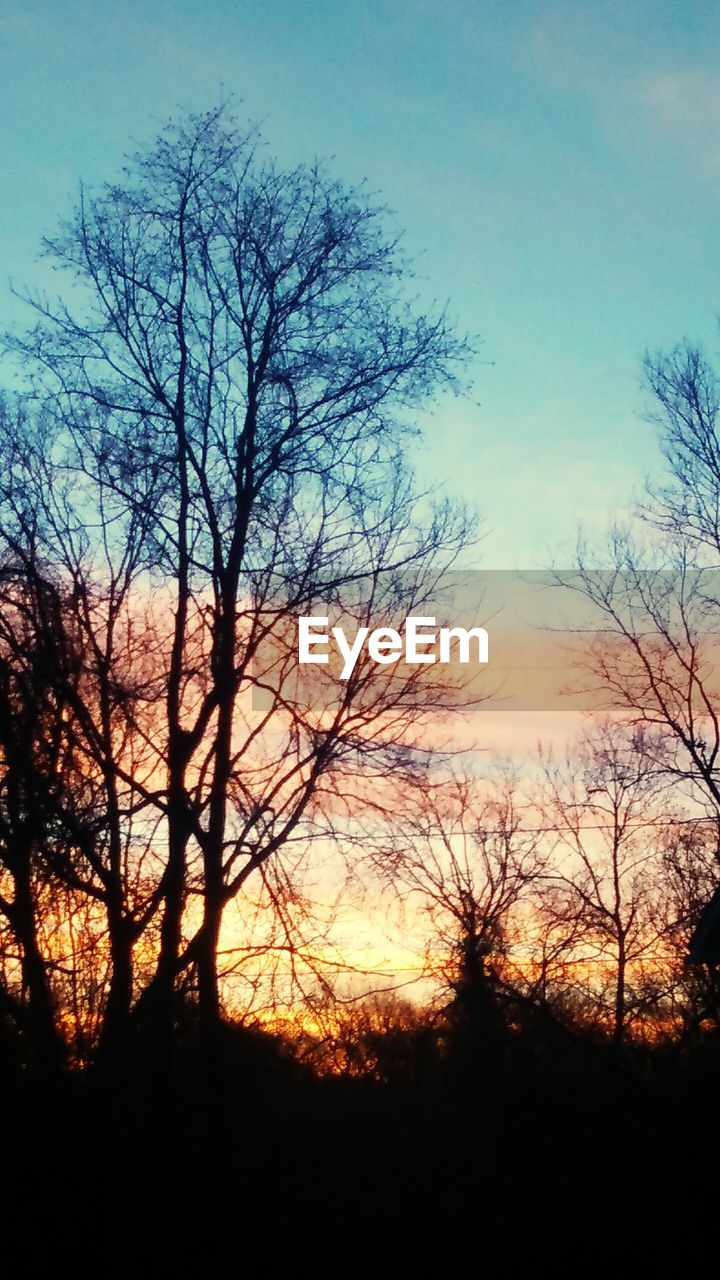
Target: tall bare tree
{"x":658,"y":607}
{"x":657,"y":611}
{"x":216,"y":444}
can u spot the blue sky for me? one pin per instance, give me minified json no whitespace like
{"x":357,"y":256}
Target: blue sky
{"x":554,"y":165}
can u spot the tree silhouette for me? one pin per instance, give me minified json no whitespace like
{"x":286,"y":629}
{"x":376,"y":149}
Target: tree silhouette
{"x":659,"y":604}
{"x":214,"y":444}
{"x":462,"y":854}
{"x":603,"y":808}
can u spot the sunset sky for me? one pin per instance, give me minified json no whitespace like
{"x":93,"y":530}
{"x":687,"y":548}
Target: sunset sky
{"x":359,"y":752}
{"x":554,"y":164}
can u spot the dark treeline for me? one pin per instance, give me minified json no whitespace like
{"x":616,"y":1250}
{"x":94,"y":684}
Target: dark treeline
{"x":207,"y":437}
{"x":461,"y":1138}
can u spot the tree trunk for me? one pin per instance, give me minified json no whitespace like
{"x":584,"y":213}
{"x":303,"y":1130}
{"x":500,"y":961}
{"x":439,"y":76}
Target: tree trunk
{"x":619,"y":1013}
{"x":116,"y":1022}
{"x":207,"y":969}
{"x":44,"y":1039}
{"x":155,"y":1010}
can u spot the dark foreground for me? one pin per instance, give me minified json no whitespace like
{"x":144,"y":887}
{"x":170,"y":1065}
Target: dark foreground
{"x":214,"y":1158}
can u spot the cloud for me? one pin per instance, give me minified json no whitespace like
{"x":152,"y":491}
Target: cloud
{"x":647,"y":85}
{"x":681,"y":108}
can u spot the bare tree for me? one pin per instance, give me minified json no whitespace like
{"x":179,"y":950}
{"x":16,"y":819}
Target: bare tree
{"x":659,"y":606}
{"x":73,"y":671}
{"x":657,"y":612}
{"x":604,"y":818}
{"x":689,"y":1001}
{"x":216,"y":445}
{"x":687,"y":394}
{"x":29,"y":750}
{"x":468,"y":858}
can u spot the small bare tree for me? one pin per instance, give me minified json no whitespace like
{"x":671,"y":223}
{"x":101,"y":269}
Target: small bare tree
{"x":469,"y":859}
{"x":602,"y":810}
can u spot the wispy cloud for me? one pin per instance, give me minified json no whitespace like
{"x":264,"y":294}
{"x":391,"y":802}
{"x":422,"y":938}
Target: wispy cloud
{"x":647,"y":84}
{"x":682,"y":108}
